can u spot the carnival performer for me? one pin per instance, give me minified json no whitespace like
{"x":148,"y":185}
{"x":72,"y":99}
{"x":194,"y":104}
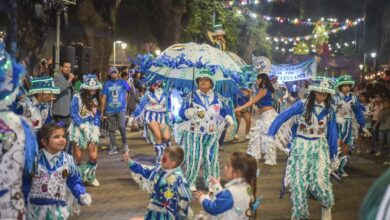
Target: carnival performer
{"x":264,"y":102}
{"x":37,"y":107}
{"x":203,"y":110}
{"x":217,"y":37}
{"x":313,"y":149}
{"x":155,"y":106}
{"x":237,"y":200}
{"x":17,"y":141}
{"x":169,"y":193}
{"x":240,"y":98}
{"x":84,"y":129}
{"x":348,"y":109}
{"x":55,"y":190}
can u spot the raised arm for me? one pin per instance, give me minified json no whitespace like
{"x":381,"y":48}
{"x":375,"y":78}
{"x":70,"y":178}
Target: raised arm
{"x":295,"y":109}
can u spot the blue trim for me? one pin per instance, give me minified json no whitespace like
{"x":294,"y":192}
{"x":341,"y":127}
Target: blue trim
{"x":30,"y":148}
{"x":41,"y":201}
{"x":223,"y":202}
{"x":308,"y":138}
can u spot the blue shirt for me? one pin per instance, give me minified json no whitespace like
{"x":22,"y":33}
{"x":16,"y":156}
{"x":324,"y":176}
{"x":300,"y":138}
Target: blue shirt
{"x":267,"y":100}
{"x":115,"y":91}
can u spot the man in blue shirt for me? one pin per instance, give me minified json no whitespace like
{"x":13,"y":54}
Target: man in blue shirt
{"x":114,"y":95}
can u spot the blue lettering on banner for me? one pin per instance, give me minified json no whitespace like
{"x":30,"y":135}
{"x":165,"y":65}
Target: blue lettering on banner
{"x":293,"y":72}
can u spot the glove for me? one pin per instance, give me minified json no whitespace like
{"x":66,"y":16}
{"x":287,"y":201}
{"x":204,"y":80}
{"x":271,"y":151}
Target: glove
{"x":85,"y":199}
{"x":190,"y":113}
{"x":366,"y":133}
{"x":130,"y":121}
{"x":334,"y":164}
{"x":229,"y":120}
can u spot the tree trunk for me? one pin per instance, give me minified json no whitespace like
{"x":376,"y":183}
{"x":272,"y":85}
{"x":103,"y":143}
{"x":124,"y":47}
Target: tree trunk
{"x":98,"y":21}
{"x":167,"y":16}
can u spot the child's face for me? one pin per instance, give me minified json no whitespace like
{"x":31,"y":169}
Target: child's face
{"x":46,"y":97}
{"x":92,"y":92}
{"x":362,"y":98}
{"x":56,"y":142}
{"x":167,"y":163}
{"x":345,"y":88}
{"x":321,"y":97}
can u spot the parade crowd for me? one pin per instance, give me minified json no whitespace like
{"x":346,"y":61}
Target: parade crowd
{"x":48,"y":122}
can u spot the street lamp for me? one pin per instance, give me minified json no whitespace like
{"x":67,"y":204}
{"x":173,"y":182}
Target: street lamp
{"x":373,"y":55}
{"x":158,"y":52}
{"x":114,"y":46}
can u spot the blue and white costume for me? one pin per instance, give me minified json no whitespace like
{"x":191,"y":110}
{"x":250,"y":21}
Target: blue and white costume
{"x":55,"y":190}
{"x":230,"y":203}
{"x":85,"y":125}
{"x":18,"y":145}
{"x":205,"y":119}
{"x":169,"y":193}
{"x":37,"y":113}
{"x":154,"y":107}
{"x":313,"y":147}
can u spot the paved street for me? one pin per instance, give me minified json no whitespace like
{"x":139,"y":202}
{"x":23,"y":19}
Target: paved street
{"x":119,"y":197}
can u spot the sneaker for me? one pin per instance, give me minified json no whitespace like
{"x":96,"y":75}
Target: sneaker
{"x":378,"y":154}
{"x":386,"y":163}
{"x":236,"y":137}
{"x":95,"y":183}
{"x":193,"y":188}
{"x":112,"y":151}
{"x":247,"y":137}
{"x":344,"y":174}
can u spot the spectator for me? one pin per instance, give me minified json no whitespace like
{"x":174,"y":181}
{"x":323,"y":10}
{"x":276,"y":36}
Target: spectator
{"x":376,"y":109}
{"x":61,"y":106}
{"x":114,"y":106}
{"x":383,"y":126}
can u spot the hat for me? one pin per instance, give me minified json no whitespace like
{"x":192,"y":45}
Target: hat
{"x":44,"y":84}
{"x":10,"y":75}
{"x":322,"y":84}
{"x":204,"y":73}
{"x":345,"y":80}
{"x":90,"y":82}
{"x":217,"y":30}
{"x":261,"y":64}
{"x":112,"y":69}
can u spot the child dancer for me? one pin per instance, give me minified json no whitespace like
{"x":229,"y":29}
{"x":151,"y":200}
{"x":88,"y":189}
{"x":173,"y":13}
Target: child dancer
{"x":36,"y":106}
{"x":169,"y":193}
{"x":348,"y":108}
{"x":55,"y":189}
{"x":84,"y":129}
{"x":313,"y":147}
{"x":17,"y":141}
{"x":236,"y":201}
{"x":155,"y":105}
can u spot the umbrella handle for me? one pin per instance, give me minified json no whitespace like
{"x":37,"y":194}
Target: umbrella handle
{"x":192,"y":90}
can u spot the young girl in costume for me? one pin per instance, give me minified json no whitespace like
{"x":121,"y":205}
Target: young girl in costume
{"x":55,"y":190}
{"x":313,"y":147}
{"x":17,"y":141}
{"x":348,"y":109}
{"x":36,"y":107}
{"x":169,"y":193}
{"x":264,"y":102}
{"x":84,"y":129}
{"x":236,"y":200}
{"x":155,"y":106}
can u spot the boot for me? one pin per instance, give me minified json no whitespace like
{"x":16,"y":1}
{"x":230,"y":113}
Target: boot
{"x":326,"y":213}
{"x":90,"y":174}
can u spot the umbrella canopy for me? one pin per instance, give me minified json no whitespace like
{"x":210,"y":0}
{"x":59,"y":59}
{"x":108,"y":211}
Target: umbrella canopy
{"x":178,"y":64}
{"x":239,"y":61}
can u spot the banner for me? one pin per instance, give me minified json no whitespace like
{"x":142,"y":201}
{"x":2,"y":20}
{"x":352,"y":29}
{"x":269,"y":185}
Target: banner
{"x":294,"y":72}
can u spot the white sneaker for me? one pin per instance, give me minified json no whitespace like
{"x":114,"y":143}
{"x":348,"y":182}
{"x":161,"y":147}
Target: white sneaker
{"x":247,"y":137}
{"x":344,"y":175}
{"x":193,"y":188}
{"x":378,"y":154}
{"x":95,"y":183}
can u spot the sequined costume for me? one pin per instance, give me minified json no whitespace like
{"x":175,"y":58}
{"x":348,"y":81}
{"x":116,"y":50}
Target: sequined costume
{"x":55,"y":188}
{"x":200,"y":140}
{"x":169,"y":193}
{"x":37,"y":113}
